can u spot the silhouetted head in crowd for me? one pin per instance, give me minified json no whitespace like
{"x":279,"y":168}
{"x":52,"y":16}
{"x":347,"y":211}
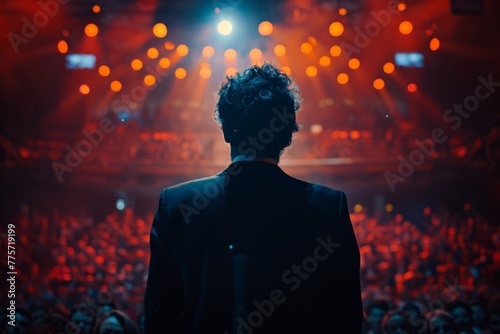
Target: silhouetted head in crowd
{"x":115,"y":322}
{"x":22,"y":322}
{"x":416,"y":316}
{"x":375,"y":312}
{"x":52,"y":324}
{"x":461,"y":314}
{"x":38,"y":313}
{"x":105,"y":308}
{"x":440,"y":322}
{"x":256,"y":109}
{"x":478,"y":313}
{"x":396,"y":322}
{"x":494,"y":321}
{"x":83,"y":317}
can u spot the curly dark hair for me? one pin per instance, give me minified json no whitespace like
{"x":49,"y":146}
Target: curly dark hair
{"x":256,"y":109}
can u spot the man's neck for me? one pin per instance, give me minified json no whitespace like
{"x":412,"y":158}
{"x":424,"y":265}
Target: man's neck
{"x":243,"y":157}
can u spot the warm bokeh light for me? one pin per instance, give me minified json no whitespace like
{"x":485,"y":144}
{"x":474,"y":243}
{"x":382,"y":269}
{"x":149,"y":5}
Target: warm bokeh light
{"x":153,"y":53}
{"x":280,"y":50}
{"x":378,"y":83}
{"x":405,"y":27}
{"x":427,"y":211}
{"x":62,"y":46}
{"x":287,"y":70}
{"x":354,"y":63}
{"x":434,"y":44}
{"x":342,"y":78}
{"x":149,"y":80}
{"x":265,"y":28}
{"x":136,"y":64}
{"x":336,"y":29}
{"x":230,"y":54}
{"x":182,"y":50}
{"x":115,"y":86}
{"x":401,"y":7}
{"x":311,"y":71}
{"x":358,"y":208}
{"x":224,"y":27}
{"x":335,"y":51}
{"x":231,"y":71}
{"x":164,"y":62}
{"x":96,"y":8}
{"x":412,"y":88}
{"x":169,"y":45}
{"x":160,"y":30}
{"x":104,"y":70}
{"x":205,"y":72}
{"x":355,"y":135}
{"x":388,"y":67}
{"x":325,"y":61}
{"x":316,"y":129}
{"x":208,"y":51}
{"x":84,"y":89}
{"x":342,"y":11}
{"x":389,"y":207}
{"x":313,"y":40}
{"x":306,"y":48}
{"x":180,"y":73}
{"x":255,"y":54}
{"x":91,"y":30}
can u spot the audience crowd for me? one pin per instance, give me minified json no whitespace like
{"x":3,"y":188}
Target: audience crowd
{"x":438,"y":273}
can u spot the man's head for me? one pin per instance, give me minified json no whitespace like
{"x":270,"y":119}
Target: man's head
{"x":256,"y":109}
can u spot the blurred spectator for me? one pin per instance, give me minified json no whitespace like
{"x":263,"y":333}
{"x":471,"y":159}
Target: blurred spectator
{"x":115,"y":322}
{"x":441,"y":322}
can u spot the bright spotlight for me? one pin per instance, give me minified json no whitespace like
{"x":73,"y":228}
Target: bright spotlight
{"x":224,"y":27}
{"x":120,"y":204}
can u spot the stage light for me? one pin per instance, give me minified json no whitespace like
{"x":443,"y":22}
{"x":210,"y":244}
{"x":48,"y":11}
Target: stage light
{"x":358,"y":208}
{"x":342,"y":78}
{"x":164,"y":63}
{"x":169,"y":45}
{"x":120,"y":204}
{"x":401,"y":7}
{"x":208,"y":51}
{"x":104,"y":70}
{"x":378,"y":83}
{"x":153,"y":53}
{"x":84,"y":89}
{"x":149,"y":80}
{"x":255,"y":54}
{"x":342,"y":11}
{"x":388,"y":68}
{"x":280,"y":50}
{"x":405,"y":27}
{"x":231,"y":71}
{"x":205,"y":72}
{"x":336,"y":29}
{"x":96,"y":8}
{"x":287,"y":70}
{"x":182,"y":50}
{"x":180,"y":73}
{"x":62,"y":46}
{"x":389,"y":207}
{"x":265,"y":28}
{"x":311,"y":71}
{"x":115,"y":86}
{"x":224,"y":27}
{"x":355,"y":135}
{"x":325,"y":61}
{"x":316,"y":129}
{"x":91,"y":30}
{"x":306,"y":48}
{"x":412,"y":88}
{"x":434,"y":44}
{"x":354,"y":63}
{"x":230,"y":54}
{"x":160,"y":30}
{"x":335,"y":51}
{"x":136,"y":64}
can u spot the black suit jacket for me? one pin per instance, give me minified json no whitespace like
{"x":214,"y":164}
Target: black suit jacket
{"x":253,"y":250}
